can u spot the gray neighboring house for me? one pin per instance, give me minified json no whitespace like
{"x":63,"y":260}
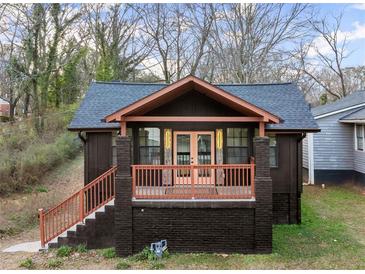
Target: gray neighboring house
{"x":336,"y":154}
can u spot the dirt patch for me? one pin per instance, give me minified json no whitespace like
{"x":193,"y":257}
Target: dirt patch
{"x":18,"y":212}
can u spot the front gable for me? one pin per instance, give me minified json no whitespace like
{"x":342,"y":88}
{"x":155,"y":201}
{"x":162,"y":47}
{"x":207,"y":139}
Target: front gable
{"x":185,"y":86}
{"x":193,"y":103}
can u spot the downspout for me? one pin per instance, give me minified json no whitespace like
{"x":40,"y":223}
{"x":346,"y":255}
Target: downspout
{"x":82,"y":138}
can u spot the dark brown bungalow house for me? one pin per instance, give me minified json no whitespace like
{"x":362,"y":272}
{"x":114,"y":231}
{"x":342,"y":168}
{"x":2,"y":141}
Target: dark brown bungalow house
{"x":206,"y":167}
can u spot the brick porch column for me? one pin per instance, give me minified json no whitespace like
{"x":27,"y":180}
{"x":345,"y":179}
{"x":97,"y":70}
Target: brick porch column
{"x":123,"y":199}
{"x":263,"y":190}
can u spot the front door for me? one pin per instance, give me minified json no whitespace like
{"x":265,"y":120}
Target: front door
{"x":194,"y":148}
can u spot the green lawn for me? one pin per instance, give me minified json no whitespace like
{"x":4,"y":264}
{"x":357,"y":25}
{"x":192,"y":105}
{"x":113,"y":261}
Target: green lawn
{"x":330,"y":237}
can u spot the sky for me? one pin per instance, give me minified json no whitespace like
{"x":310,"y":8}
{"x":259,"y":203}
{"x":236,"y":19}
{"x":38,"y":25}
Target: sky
{"x":353,"y":28}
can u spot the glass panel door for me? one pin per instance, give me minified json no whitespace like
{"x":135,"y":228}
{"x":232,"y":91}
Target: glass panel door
{"x":194,"y":148}
{"x":204,"y":149}
{"x":183,"y":154}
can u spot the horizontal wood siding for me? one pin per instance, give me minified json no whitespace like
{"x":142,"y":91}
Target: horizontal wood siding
{"x":334,"y":145}
{"x":359,"y":161}
{"x":305,"y":152}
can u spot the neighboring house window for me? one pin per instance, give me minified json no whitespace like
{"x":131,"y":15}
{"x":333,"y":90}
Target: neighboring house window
{"x":149,"y":146}
{"x":237,"y":145}
{"x":360,"y":137}
{"x":114,"y":145}
{"x":273,"y":150}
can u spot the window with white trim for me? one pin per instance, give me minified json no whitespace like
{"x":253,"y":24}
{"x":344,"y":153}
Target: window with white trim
{"x":359,"y":137}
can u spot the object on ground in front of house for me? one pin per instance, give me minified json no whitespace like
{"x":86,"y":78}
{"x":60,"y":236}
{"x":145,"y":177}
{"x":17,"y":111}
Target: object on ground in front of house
{"x":208,"y":167}
{"x":159,"y":247}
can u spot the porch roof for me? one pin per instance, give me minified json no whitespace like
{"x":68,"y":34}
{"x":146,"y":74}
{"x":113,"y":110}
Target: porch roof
{"x":283,"y":100}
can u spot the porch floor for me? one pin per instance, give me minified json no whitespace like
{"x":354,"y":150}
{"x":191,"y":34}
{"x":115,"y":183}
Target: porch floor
{"x":200,"y":191}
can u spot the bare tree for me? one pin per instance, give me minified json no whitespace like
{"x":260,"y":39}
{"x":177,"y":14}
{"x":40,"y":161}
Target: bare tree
{"x":44,"y":28}
{"x":114,"y":31}
{"x":11,"y":79}
{"x":180,"y":34}
{"x":250,"y":37}
{"x":322,"y":59}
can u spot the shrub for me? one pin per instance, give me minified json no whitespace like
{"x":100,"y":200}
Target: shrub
{"x":81,"y":248}
{"x":109,"y":253}
{"x":54,"y":263}
{"x":123,"y":265}
{"x":145,"y":255}
{"x":25,"y":156}
{"x":64,"y":251}
{"x":27,"y":263}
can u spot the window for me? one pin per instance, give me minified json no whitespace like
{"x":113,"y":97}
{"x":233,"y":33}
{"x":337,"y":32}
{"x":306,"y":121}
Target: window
{"x":237,"y":145}
{"x":114,"y":145}
{"x":149,"y":146}
{"x":273,"y":150}
{"x":360,"y":137}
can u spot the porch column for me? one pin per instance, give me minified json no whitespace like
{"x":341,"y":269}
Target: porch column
{"x":263,"y":191}
{"x":123,"y":198}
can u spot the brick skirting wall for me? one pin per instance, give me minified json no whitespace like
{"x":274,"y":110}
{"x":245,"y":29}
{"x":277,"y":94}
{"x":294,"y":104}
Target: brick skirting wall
{"x":227,"y":230}
{"x":215,"y":227}
{"x":286,"y":208}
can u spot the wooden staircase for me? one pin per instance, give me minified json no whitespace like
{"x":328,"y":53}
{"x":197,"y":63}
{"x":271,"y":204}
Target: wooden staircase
{"x":72,"y":219}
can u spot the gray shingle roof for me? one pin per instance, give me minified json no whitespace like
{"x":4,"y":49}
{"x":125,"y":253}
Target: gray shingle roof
{"x":353,"y":99}
{"x":283,"y":100}
{"x":358,"y":114}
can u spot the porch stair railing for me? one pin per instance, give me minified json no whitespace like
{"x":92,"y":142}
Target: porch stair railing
{"x":97,"y":193}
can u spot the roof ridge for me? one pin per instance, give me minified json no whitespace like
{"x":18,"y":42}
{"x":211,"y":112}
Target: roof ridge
{"x":253,"y":84}
{"x":339,"y":101}
{"x":166,"y":84}
{"x":126,"y":83}
{"x":353,"y":112}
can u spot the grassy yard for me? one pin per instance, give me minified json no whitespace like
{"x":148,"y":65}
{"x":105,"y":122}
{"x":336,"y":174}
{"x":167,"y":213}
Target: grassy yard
{"x":331,"y":236}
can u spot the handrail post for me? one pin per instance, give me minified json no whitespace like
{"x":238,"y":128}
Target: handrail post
{"x":81,"y":198}
{"x":252,"y":177}
{"x":133,"y":181}
{"x":192,"y":181}
{"x":41,"y":226}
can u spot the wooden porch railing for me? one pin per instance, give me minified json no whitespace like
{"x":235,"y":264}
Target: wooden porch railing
{"x":226,"y":181}
{"x":73,"y":210}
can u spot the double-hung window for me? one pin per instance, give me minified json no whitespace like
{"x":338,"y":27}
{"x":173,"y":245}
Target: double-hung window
{"x":359,"y":137}
{"x":237,"y":145}
{"x":149,"y":146}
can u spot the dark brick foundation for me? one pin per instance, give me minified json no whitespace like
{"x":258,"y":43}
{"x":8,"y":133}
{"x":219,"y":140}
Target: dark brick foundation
{"x":194,"y":226}
{"x":229,"y":230}
{"x":286,"y":208}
